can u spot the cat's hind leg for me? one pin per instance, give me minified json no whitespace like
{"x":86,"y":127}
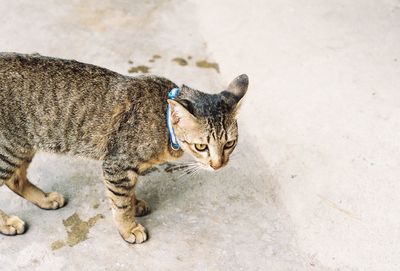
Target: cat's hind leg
{"x":19,"y":183}
{"x":9,"y":225}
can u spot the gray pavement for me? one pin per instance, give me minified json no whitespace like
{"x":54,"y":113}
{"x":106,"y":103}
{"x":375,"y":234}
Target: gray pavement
{"x":314,"y":183}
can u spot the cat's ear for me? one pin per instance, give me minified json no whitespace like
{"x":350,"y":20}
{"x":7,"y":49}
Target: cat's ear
{"x":180,"y":115}
{"x":238,"y":87}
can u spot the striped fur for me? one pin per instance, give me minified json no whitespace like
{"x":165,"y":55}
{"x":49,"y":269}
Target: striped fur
{"x":68,"y":107}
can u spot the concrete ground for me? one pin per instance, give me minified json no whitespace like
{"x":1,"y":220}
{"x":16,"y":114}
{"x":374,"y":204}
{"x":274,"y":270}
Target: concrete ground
{"x":314,"y":184}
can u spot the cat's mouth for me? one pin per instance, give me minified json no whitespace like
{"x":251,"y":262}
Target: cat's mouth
{"x":216,"y":167}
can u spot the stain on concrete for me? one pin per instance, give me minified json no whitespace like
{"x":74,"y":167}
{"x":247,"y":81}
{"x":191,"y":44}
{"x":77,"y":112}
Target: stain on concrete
{"x":130,"y":62}
{"x":77,"y":230}
{"x":57,"y":244}
{"x":181,"y":61}
{"x":109,"y":16}
{"x":95,"y":206}
{"x":154,"y":58}
{"x":234,"y":198}
{"x":207,"y":65}
{"x":140,"y":68}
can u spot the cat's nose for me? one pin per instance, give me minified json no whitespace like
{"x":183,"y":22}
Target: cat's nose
{"x":216,"y":165}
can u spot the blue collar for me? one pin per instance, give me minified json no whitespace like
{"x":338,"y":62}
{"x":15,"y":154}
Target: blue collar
{"x":172,"y":137}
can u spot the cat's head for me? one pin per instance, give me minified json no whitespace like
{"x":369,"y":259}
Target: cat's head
{"x":205,"y":124}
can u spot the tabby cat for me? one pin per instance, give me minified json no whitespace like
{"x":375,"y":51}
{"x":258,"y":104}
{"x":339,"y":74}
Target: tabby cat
{"x":64,"y":106}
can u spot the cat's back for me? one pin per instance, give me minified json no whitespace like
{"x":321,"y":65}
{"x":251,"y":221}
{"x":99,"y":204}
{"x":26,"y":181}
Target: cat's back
{"x":10,"y":61}
{"x":30,"y":75}
{"x":54,"y":103}
{"x":65,"y":105}
{"x":38,"y":68}
{"x":35,"y":84}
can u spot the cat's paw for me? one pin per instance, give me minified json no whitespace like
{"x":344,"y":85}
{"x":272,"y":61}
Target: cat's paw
{"x":13,"y":226}
{"x":52,"y":201}
{"x":142,"y":208}
{"x":136,"y":235}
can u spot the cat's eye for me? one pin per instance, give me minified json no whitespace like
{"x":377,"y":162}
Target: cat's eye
{"x":200,"y":147}
{"x":230,"y":144}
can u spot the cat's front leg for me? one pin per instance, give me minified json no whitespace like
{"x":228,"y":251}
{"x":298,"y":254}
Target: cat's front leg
{"x":120,"y":186}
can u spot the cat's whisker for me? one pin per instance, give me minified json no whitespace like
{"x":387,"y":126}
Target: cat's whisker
{"x":195,"y":173}
{"x":185,"y":172}
{"x":179,"y":166}
{"x":197,"y":170}
{"x":190,"y":175}
{"x":191,"y":171}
